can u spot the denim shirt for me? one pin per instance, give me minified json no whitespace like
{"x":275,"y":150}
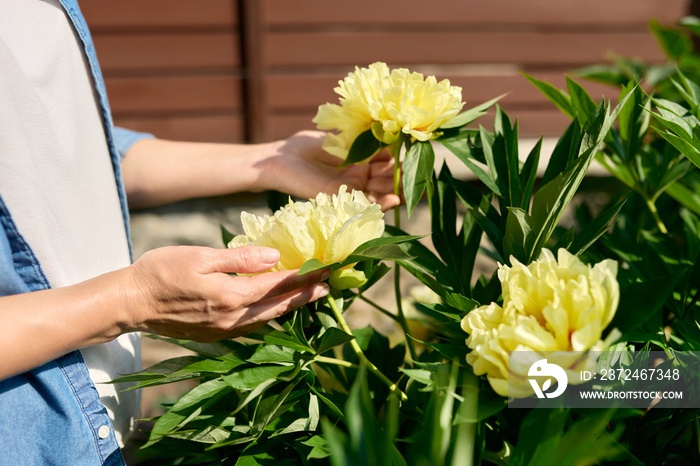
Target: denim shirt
{"x":53,"y":414}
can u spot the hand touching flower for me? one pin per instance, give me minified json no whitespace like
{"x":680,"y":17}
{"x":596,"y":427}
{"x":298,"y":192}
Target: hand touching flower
{"x":327,"y":228}
{"x":300,"y":167}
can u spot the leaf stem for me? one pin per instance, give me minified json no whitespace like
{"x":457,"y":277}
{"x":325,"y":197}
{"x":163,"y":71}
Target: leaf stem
{"x":334,"y":361}
{"x":655,"y":214}
{"x":395,"y":151}
{"x":379,"y":308}
{"x":358,"y":351}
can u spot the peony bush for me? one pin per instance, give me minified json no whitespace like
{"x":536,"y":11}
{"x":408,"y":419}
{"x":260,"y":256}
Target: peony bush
{"x":604,"y":289}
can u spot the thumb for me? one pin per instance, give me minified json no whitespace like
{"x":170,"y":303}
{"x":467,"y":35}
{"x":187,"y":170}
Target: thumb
{"x":245,"y":259}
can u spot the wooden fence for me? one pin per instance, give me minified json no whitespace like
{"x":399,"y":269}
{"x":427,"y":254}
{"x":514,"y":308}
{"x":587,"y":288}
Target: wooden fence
{"x":256,"y":70}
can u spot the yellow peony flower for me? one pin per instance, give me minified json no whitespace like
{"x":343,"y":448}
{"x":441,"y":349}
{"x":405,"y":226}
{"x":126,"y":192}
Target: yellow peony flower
{"x":327,"y":228}
{"x":388,"y":102}
{"x":553,"y":309}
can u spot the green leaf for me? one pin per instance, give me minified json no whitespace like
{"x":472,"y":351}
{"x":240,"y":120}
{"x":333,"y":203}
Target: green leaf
{"x":226,"y":236}
{"x":460,"y":302}
{"x":417,"y":172}
{"x":420,"y":255}
{"x":287,"y":340}
{"x":272,"y":354}
{"x":181,"y":368}
{"x":495,"y":164}
{"x":565,"y":151}
{"x":685,"y":145}
{"x":675,"y":43}
{"x":319,"y":447}
{"x":690,"y":199}
{"x":210,"y":350}
{"x":460,"y":148}
{"x":595,"y":229}
{"x":248,"y":379}
{"x":200,"y":396}
{"x":471,"y":115}
{"x":385,"y":248}
{"x":606,"y":74}
{"x":557,"y":97}
{"x":364,"y":147}
{"x":312,"y":265}
{"x":691,"y":23}
{"x":329,"y":404}
{"x":509,"y":146}
{"x":540,"y":433}
{"x":640,"y":302}
{"x":689,"y":89}
{"x":159,"y":370}
{"x":518,"y":239}
{"x":581,"y":102}
{"x":331,"y":338}
{"x":419,"y":375}
{"x":528,"y":174}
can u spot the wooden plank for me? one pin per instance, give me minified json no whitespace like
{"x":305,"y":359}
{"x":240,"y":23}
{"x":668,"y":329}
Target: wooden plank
{"x":353,"y":48}
{"x":168,"y":51}
{"x":256,"y":101}
{"x":304,"y":91}
{"x":131,"y":14}
{"x":174,"y":93}
{"x":532,"y":122}
{"x":473,"y":12}
{"x":216,"y":128}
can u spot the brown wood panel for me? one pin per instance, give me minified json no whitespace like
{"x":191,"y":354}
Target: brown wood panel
{"x":472,"y":12}
{"x":128,"y":14}
{"x":216,"y":128}
{"x":299,"y":91}
{"x":532,"y":122}
{"x":174,"y":93}
{"x":352,"y":48}
{"x":168,"y":51}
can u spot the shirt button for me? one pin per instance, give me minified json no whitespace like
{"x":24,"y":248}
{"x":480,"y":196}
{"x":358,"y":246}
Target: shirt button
{"x":103,"y":432}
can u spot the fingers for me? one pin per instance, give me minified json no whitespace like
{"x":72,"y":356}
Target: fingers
{"x":272,"y":308}
{"x":274,"y":284}
{"x":247,"y":259}
{"x":380,"y":182}
{"x":386,"y":201}
{"x":381,"y":163}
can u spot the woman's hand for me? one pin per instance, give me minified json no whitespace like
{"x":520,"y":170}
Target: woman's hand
{"x":188,"y":292}
{"x":300,"y":167}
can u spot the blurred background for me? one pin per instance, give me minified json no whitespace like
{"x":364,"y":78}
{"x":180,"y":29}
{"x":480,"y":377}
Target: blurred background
{"x":248,"y":71}
{"x":256,"y":70}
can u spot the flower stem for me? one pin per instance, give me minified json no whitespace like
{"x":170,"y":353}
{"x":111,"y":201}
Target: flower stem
{"x":468,"y":411}
{"x":395,"y":151}
{"x":358,"y":351}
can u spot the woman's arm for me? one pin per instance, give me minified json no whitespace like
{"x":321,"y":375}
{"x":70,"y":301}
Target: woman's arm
{"x":157,"y":171}
{"x":182,"y":292}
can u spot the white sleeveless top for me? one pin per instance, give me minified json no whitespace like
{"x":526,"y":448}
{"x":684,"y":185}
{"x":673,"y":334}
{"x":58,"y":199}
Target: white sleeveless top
{"x":56,"y":175}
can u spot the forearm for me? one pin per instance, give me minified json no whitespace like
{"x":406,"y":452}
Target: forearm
{"x":181,"y":292}
{"x":158,"y":172}
{"x":40,"y":326}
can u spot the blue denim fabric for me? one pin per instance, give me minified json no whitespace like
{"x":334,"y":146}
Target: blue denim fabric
{"x":52,"y":415}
